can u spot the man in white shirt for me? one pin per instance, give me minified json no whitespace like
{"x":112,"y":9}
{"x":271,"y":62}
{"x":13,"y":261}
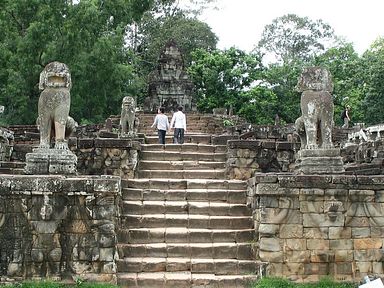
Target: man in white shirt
{"x":162,"y":124}
{"x":179,"y":122}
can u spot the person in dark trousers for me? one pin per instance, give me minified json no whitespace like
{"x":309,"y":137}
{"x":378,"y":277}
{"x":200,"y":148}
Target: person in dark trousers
{"x":179,"y":122}
{"x":345,"y":117}
{"x":162,"y":124}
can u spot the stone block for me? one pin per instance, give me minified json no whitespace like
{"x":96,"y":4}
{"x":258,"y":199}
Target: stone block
{"x":374,"y":255}
{"x":85,"y":143}
{"x":109,"y":184}
{"x":363,"y":267}
{"x":317,"y":244}
{"x":377,"y":268}
{"x":271,"y":257}
{"x":265,"y":178}
{"x":268,"y":229}
{"x":377,"y":232}
{"x":267,"y":189}
{"x":357,"y":222}
{"x":107,"y":254}
{"x":312,"y":191}
{"x":360,"y":232}
{"x":293,"y":269}
{"x":319,"y":256}
{"x":343,"y":256}
{"x":312,"y":207}
{"x":316,"y":269}
{"x":340,"y":232}
{"x":380,"y":196}
{"x":274,"y":268}
{"x":295,"y":244}
{"x":270,"y":244}
{"x":316,"y":233}
{"x":344,"y":268}
{"x":280,"y":216}
{"x":297,"y":256}
{"x":269,"y":202}
{"x":322,"y":220}
{"x":368,"y":243}
{"x":341,"y":244}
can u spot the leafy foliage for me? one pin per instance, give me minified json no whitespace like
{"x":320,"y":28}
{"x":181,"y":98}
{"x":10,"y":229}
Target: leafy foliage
{"x":291,"y":37}
{"x":229,"y":79}
{"x":372,"y":75}
{"x":88,"y":37}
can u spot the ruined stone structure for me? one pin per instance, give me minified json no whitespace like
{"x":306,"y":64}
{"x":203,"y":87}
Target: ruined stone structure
{"x":54,"y":103}
{"x":317,"y":153}
{"x":310,"y":226}
{"x":169,"y":85}
{"x":128,"y":127}
{"x":221,"y":210}
{"x":58,"y":227}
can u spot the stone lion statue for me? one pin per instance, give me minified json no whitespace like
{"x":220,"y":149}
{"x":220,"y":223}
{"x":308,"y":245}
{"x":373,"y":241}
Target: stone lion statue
{"x":127,"y":118}
{"x":54,"y":102}
{"x":315,"y":125}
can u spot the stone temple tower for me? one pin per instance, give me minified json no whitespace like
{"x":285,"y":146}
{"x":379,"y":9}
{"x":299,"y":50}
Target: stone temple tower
{"x":169,"y":84}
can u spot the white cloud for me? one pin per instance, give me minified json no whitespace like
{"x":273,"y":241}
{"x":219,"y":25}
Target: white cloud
{"x":240,"y":23}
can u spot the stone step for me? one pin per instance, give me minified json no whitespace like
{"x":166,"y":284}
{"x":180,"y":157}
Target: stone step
{"x":187,"y":147}
{"x":152,"y":138}
{"x":186,"y":220}
{"x":183,"y":280}
{"x":185,"y":207}
{"x":168,"y":184}
{"x":179,"y":165}
{"x":184,"y":174}
{"x":240,"y":251}
{"x":182,"y":156}
{"x":11,"y":164}
{"x":13,"y":171}
{"x":195,"y":265}
{"x":188,"y":138}
{"x":184,"y":235}
{"x":223,"y":195}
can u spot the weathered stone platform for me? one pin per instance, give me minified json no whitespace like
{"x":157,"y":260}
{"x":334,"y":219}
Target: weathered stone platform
{"x":58,"y":227}
{"x":309,"y":226}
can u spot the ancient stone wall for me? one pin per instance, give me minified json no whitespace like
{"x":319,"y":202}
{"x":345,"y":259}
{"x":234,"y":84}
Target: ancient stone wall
{"x":58,"y":227}
{"x":310,"y":226}
{"x":245,"y":157}
{"x":95,"y":156}
{"x":102,"y":156}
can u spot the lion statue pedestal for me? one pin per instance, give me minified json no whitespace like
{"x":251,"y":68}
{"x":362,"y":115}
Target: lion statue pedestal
{"x":317,"y":154}
{"x":54,"y":103}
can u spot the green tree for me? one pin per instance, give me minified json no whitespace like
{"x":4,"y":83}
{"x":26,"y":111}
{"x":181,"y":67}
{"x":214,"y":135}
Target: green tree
{"x":291,"y":37}
{"x":372,"y":76}
{"x":87,"y":36}
{"x":232,"y":79}
{"x":282,"y":80}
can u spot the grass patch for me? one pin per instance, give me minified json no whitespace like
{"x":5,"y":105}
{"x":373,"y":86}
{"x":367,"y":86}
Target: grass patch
{"x":272,"y":282}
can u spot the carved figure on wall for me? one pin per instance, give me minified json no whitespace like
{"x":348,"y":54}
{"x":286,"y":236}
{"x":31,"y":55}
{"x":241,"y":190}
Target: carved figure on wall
{"x":127,"y":119}
{"x":315,"y":125}
{"x":54,"y":102}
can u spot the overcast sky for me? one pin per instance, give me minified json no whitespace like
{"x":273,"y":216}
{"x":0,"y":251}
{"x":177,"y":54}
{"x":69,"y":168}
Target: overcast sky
{"x":240,"y":23}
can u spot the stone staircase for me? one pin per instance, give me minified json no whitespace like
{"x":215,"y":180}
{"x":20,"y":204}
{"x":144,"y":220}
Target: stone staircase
{"x":184,"y":224}
{"x":196,"y":123}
